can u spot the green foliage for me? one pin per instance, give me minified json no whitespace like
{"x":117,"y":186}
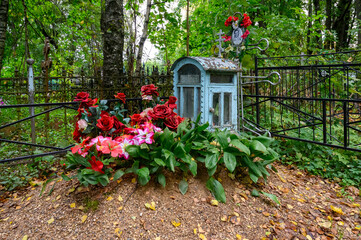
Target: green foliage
{"x":339,"y":165}
{"x":12,"y":177}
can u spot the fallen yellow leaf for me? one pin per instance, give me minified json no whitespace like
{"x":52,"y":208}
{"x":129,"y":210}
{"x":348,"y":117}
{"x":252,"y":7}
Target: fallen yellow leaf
{"x":72,"y":205}
{"x":109,"y":198}
{"x":58,"y":197}
{"x":358,"y":227}
{"x":281,"y":178}
{"x":176,"y":223}
{"x":4,"y":220}
{"x":195,"y":231}
{"x":239,"y":237}
{"x":120,"y":199}
{"x":71,"y":190}
{"x":81,"y":208}
{"x":25,"y":237}
{"x":83,"y":218}
{"x":51,"y":220}
{"x":214,"y":202}
{"x":150,"y":206}
{"x":28,"y":198}
{"x":340,"y":223}
{"x":120,"y":208}
{"x":308,"y":237}
{"x":201,"y":236}
{"x":118,"y":232}
{"x":336,"y":210}
{"x":134,"y":180}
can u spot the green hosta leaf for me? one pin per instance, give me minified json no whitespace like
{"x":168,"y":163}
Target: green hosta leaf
{"x":143,"y":175}
{"x":211,"y":171}
{"x":272,"y":197}
{"x":258,"y":147}
{"x":134,"y":168}
{"x":253,"y":176}
{"x":217,"y":189}
{"x":240,"y":146}
{"x":104,"y":180}
{"x":202,"y":127}
{"x":183,"y":186}
{"x":179,"y":151}
{"x":193,"y":167}
{"x":252,"y":166}
{"x":222,"y":139}
{"x":160,"y":162}
{"x":171,"y":162}
{"x":266,"y":141}
{"x":133,"y":150}
{"x":255,"y":193}
{"x":118,"y":174}
{"x":161,"y":179}
{"x":230,"y":161}
{"x":211,"y":160}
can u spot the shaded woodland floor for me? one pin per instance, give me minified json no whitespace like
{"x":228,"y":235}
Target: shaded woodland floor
{"x":311,"y":208}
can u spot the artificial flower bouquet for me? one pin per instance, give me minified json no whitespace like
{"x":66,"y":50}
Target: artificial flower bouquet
{"x":156,"y":140}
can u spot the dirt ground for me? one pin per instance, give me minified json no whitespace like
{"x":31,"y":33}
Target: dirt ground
{"x":311,"y":208}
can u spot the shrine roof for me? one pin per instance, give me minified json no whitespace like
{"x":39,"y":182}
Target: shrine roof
{"x":212,"y":64}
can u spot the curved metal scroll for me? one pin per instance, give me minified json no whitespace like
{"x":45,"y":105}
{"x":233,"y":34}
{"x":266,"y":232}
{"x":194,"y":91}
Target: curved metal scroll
{"x":256,"y":44}
{"x":263,"y":81}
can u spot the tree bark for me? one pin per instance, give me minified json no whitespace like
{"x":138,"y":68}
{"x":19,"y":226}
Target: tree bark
{"x":328,"y":44}
{"x":143,"y":38}
{"x":358,"y":17}
{"x":342,"y":22}
{"x":112,"y":26}
{"x":4,"y":9}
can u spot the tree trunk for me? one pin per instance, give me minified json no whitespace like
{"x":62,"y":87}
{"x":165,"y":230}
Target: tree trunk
{"x":358,"y":17}
{"x":328,"y":44}
{"x":316,"y":4}
{"x":309,"y":27}
{"x":341,"y":24}
{"x":112,"y":26}
{"x":143,"y":38}
{"x":4,"y":9}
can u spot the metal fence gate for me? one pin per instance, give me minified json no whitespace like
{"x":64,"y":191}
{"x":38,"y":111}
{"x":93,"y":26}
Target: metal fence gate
{"x":316,"y":101}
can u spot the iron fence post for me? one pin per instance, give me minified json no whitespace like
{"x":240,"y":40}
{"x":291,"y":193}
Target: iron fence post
{"x":31,"y":88}
{"x":324,"y":123}
{"x":345,"y":124}
{"x":257,"y":90}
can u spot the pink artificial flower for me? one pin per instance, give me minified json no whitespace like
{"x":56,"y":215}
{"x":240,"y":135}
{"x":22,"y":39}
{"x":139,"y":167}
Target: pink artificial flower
{"x":111,"y":147}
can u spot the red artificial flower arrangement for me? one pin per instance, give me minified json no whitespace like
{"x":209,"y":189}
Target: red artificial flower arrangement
{"x":244,"y":24}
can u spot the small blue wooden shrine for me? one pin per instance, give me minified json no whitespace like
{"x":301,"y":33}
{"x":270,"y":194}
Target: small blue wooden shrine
{"x":207,"y":85}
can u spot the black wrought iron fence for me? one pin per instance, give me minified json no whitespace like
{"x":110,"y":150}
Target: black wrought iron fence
{"x":317,"y":100}
{"x":19,"y":140}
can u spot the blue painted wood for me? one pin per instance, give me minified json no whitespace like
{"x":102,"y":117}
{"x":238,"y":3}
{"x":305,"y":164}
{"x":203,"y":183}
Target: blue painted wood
{"x":205,"y":96}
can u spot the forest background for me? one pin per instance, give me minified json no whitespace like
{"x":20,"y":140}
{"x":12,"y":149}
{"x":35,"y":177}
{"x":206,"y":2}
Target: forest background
{"x":110,"y":34}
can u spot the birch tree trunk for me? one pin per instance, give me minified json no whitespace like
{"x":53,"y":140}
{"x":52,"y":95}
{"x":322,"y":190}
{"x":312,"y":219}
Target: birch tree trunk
{"x":4,"y":9}
{"x":143,"y":38}
{"x":358,"y":17}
